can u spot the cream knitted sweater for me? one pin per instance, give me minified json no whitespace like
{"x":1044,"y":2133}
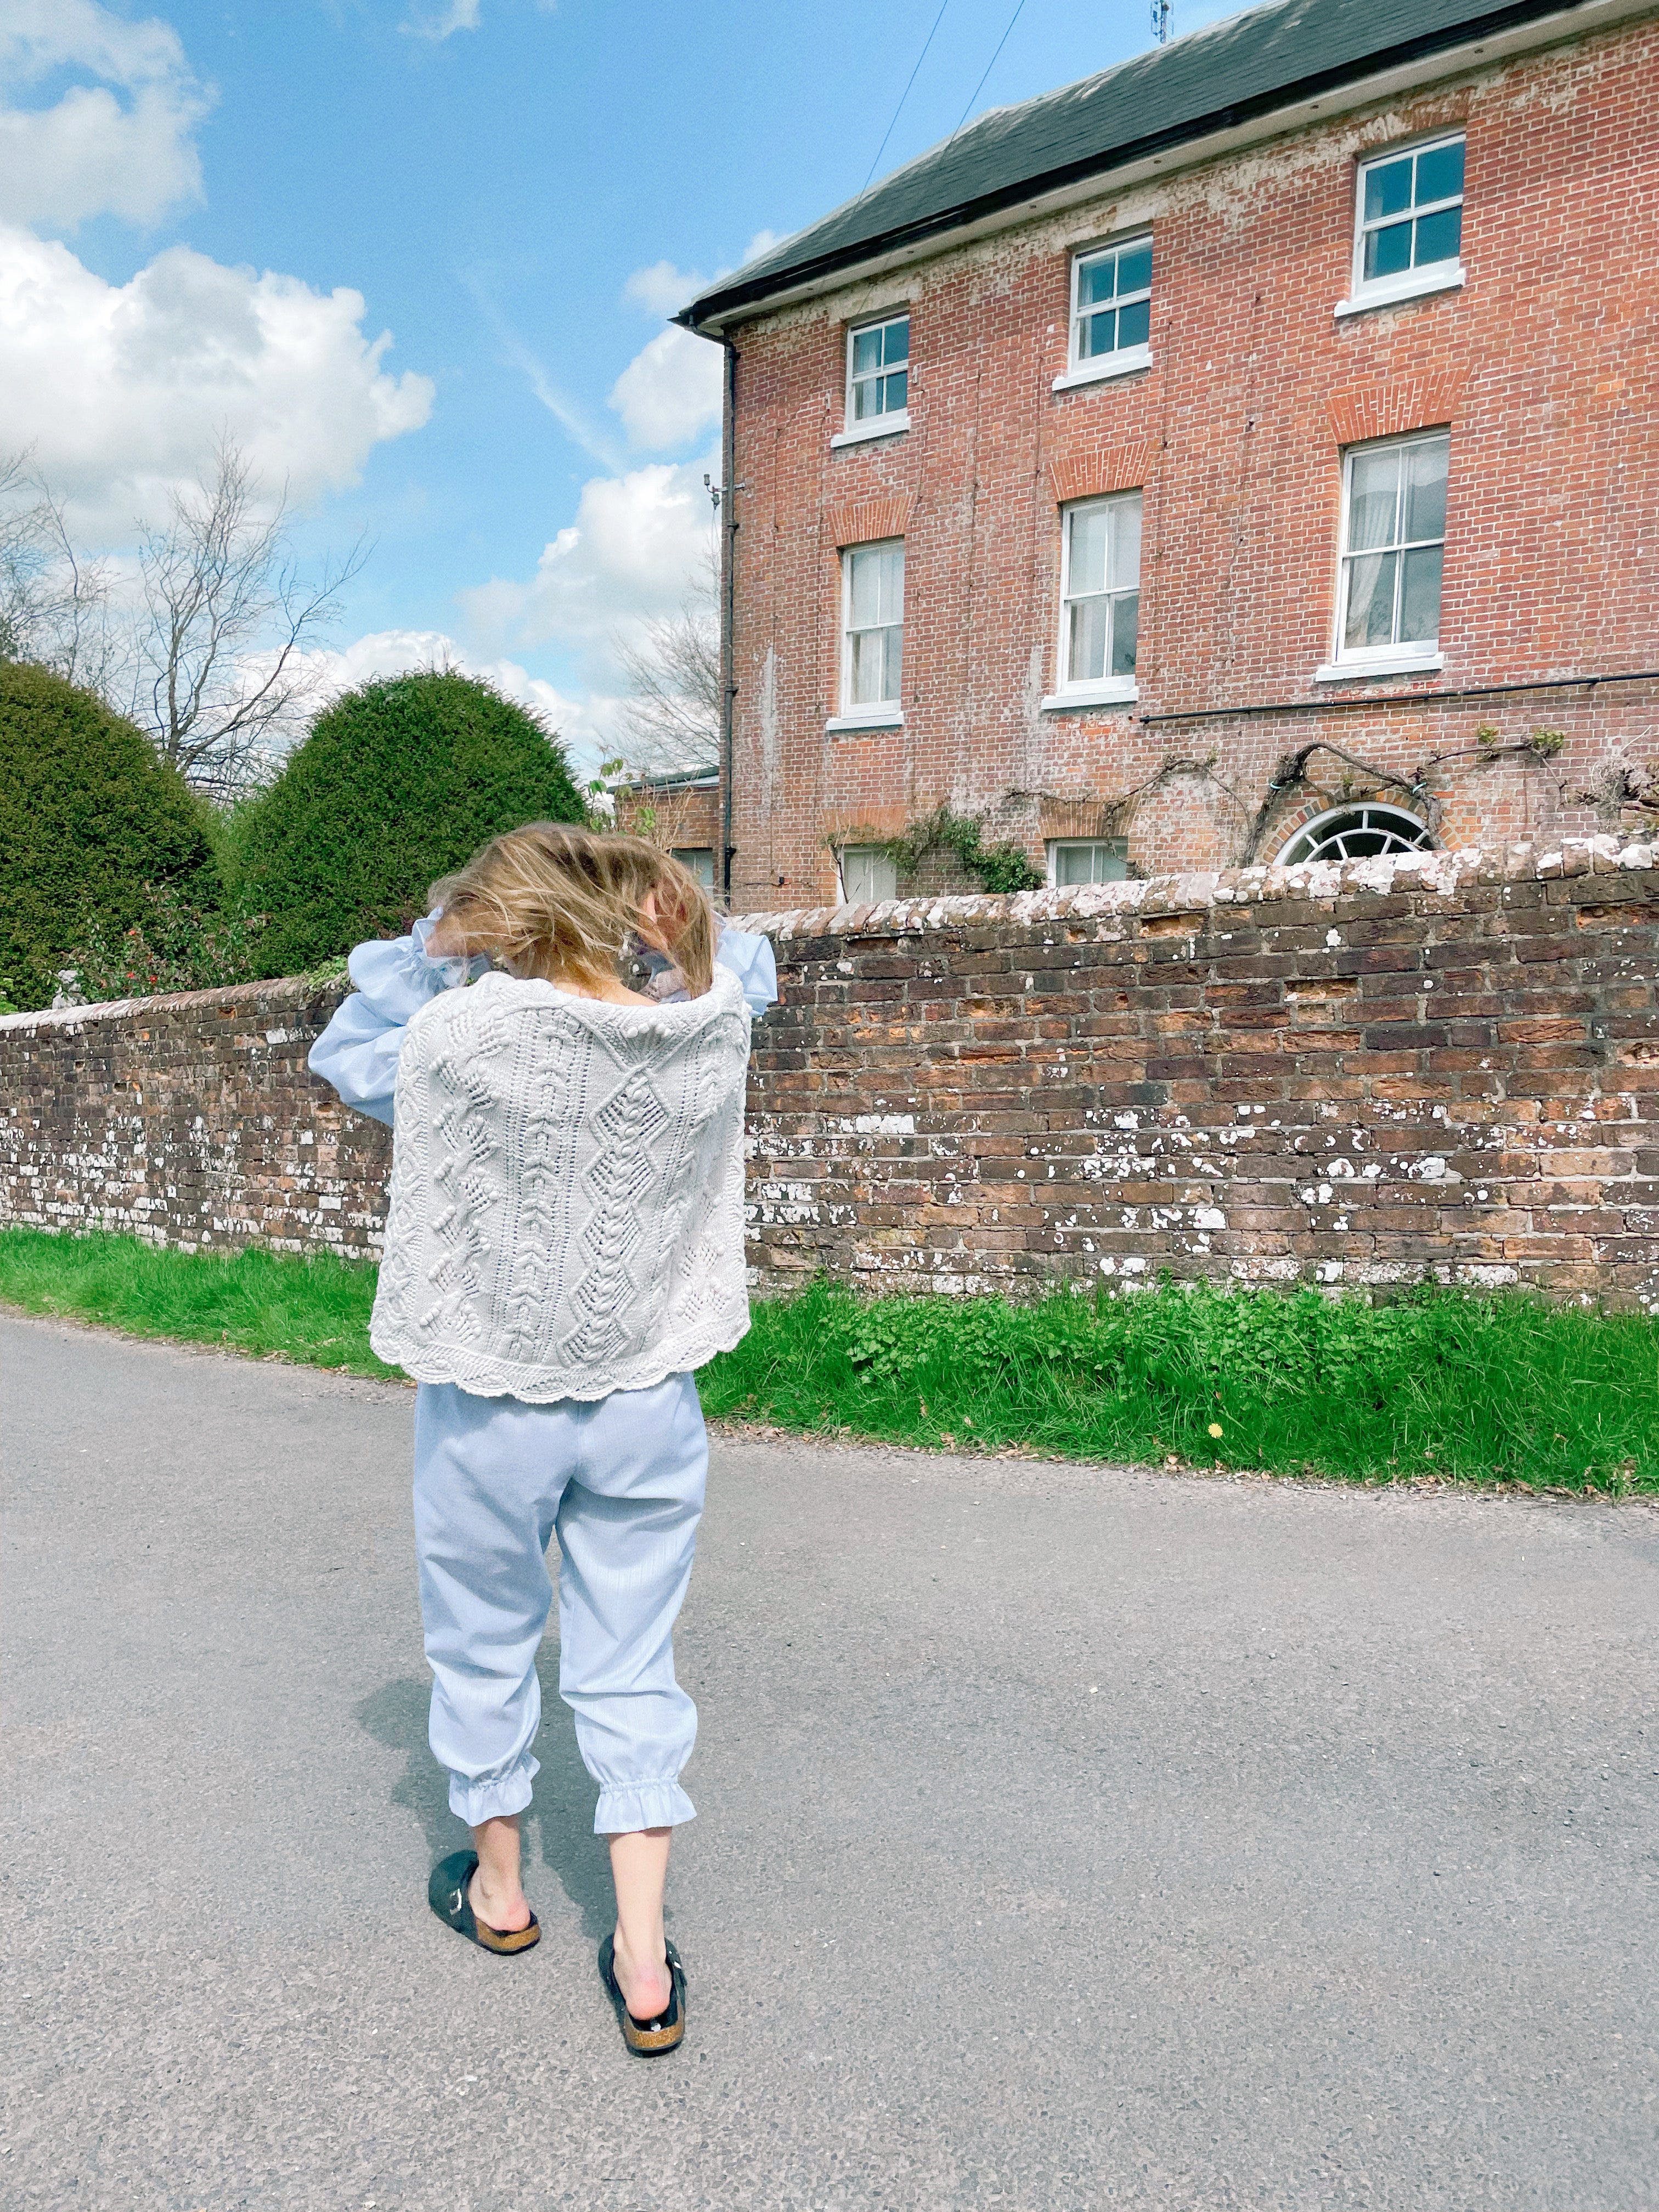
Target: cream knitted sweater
{"x":567,"y":1191}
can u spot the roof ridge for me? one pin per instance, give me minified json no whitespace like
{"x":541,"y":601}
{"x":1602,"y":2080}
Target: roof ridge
{"x":1241,"y":68}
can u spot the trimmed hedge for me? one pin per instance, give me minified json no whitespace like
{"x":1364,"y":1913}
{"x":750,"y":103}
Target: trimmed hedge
{"x":88,"y":816}
{"x":398,"y":782}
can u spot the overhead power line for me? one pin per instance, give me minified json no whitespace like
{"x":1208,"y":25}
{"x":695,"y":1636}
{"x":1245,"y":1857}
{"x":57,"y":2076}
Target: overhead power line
{"x":904,"y":96}
{"x":990,"y":66}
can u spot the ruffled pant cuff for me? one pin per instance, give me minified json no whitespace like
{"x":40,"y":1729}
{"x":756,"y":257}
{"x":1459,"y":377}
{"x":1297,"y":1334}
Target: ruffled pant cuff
{"x":626,"y":1807}
{"x":497,"y":1797}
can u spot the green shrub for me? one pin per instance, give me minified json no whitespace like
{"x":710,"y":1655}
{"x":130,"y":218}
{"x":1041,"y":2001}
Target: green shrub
{"x":397,"y":783}
{"x":172,"y":946}
{"x":88,"y":817}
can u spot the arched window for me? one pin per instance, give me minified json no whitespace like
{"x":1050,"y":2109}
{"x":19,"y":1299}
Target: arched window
{"x":1358,"y":833}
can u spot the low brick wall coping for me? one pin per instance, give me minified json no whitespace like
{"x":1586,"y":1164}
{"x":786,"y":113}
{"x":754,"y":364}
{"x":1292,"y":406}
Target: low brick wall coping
{"x":280,"y":991}
{"x":1447,"y":874}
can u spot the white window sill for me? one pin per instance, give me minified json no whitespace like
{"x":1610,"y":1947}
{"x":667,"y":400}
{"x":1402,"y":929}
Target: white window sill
{"x":1412,"y":661}
{"x":866,"y":718}
{"x":1123,"y":363}
{"x":878,"y":426}
{"x":1411,"y":284}
{"x":1113,"y":691}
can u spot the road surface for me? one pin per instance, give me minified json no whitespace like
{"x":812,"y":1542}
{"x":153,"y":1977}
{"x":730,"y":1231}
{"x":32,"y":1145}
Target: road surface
{"x":1069,"y":1837}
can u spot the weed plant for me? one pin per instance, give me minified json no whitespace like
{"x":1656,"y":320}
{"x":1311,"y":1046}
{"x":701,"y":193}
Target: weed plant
{"x":1436,"y":1385}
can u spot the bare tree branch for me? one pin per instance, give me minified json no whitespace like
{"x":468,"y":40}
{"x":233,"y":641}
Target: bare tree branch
{"x":223,"y":659}
{"x":672,"y":718}
{"x":55,"y":604}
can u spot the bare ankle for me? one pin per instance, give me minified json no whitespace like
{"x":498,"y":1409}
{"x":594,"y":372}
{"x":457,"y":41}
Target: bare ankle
{"x":499,"y":1904}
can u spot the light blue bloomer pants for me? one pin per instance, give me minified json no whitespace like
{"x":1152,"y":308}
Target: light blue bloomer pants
{"x":620,"y":1480}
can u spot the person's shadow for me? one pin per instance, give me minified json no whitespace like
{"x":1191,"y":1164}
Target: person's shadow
{"x":558,"y":1828}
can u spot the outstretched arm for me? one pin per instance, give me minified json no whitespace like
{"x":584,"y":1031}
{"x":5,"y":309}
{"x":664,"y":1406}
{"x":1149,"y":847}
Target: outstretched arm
{"x":357,"y":1053}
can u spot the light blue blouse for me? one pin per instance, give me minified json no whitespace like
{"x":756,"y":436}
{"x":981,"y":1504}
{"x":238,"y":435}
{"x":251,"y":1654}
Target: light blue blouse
{"x":357,"y":1053}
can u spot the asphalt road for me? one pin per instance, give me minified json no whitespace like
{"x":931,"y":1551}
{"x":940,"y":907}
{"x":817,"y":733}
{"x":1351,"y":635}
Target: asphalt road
{"x":1068,"y":1838}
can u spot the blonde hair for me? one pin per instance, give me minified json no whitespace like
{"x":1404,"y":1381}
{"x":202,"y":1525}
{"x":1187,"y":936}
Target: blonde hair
{"x":685,"y":918}
{"x":551,"y":901}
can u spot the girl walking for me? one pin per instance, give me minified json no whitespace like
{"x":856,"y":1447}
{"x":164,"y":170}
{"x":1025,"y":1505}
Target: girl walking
{"x":563,"y":1247}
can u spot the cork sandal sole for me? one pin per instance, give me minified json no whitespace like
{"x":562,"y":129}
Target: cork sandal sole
{"x":446,"y":1893}
{"x":646,"y":2039}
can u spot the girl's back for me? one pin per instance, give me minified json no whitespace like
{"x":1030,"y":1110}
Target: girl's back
{"x":566,"y":1204}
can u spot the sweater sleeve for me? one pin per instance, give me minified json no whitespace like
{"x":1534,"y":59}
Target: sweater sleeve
{"x":751,"y":960}
{"x":357,"y":1053}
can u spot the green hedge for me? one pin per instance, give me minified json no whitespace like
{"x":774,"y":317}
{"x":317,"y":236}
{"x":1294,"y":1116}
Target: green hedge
{"x":397,"y":783}
{"x":88,"y":816}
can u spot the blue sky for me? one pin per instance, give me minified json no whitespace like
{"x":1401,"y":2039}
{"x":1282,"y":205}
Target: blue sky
{"x":210,"y":216}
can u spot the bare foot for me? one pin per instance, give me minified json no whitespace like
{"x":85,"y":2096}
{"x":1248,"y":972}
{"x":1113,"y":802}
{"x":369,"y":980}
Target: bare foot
{"x":505,"y":1911}
{"x":645,"y":1983}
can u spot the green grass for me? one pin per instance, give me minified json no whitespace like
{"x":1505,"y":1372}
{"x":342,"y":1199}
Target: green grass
{"x":270,"y":1304}
{"x":1436,"y":1385}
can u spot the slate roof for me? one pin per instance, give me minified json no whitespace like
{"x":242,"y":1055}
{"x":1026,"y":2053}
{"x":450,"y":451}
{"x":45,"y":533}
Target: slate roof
{"x":1212,"y":79}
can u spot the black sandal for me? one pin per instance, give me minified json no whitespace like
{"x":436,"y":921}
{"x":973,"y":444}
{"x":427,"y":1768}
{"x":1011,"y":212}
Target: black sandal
{"x":446,"y":1893}
{"x":646,"y":2039}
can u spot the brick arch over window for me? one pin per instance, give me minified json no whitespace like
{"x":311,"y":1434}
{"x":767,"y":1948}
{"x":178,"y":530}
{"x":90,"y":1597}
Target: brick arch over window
{"x":1090,"y":476}
{"x":862,"y":522}
{"x":1391,"y":407}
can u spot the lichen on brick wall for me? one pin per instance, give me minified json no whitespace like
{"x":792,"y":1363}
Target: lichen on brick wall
{"x":1439,"y":1066}
{"x":191,"y":1121}
{"x":1436,"y":1066}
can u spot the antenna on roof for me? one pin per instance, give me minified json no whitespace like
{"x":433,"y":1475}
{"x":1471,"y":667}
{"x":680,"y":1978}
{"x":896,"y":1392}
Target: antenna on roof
{"x":1161,"y":11}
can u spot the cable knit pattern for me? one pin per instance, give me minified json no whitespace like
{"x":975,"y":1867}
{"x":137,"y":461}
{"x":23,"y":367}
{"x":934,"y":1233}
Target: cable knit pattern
{"x":565,"y":1213}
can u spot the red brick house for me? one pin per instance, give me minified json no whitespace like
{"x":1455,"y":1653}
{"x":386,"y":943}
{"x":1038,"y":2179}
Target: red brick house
{"x":1249,"y":452}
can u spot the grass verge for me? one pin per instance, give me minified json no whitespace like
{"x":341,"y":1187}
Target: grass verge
{"x":1438,"y":1385}
{"x":271,"y":1304}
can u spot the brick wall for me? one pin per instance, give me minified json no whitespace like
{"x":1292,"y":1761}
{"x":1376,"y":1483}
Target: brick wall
{"x":190,"y":1120}
{"x":676,"y":816}
{"x":1446,"y":1065}
{"x":1541,"y":364}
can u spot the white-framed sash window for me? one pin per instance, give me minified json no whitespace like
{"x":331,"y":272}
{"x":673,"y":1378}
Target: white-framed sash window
{"x":1099,"y":600}
{"x":868,"y":875}
{"x":1087,"y":860}
{"x":1408,"y":224}
{"x":700,"y":859}
{"x":878,"y":378}
{"x":1111,"y":303}
{"x":872,"y":631}
{"x":1394,"y":544}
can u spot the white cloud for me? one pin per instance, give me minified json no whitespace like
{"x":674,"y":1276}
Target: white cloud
{"x":585,"y":723}
{"x":629,"y":556}
{"x":761,"y":242}
{"x":662,"y":290}
{"x":670,"y":392}
{"x":122,"y":389}
{"x":121,"y":145}
{"x":439,"y":20}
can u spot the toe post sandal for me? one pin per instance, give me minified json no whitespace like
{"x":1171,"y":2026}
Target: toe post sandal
{"x":448,"y":1894}
{"x":646,"y":2039}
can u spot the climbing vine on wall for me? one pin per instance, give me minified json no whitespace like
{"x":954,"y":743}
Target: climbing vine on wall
{"x":1000,"y":867}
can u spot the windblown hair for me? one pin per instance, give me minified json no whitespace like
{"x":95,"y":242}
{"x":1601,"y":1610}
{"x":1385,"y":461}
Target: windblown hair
{"x":550,"y":901}
{"x":684,"y":925}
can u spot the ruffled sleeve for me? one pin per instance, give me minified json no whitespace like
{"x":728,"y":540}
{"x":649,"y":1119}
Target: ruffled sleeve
{"x":748,"y":957}
{"x":751,"y":960}
{"x":357,"y":1053}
